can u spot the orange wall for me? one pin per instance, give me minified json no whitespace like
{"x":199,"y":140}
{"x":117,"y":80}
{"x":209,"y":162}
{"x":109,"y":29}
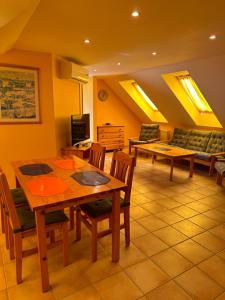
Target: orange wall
{"x":66,"y":103}
{"x":114,"y":111}
{"x":24,"y":141}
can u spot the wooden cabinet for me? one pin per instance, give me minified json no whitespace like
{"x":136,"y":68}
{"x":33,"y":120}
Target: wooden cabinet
{"x":111,"y":136}
{"x":82,"y":152}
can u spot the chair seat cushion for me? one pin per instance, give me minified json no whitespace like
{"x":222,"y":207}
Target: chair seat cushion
{"x":99,"y":207}
{"x":203,"y":155}
{"x":27,"y":218}
{"x":220,"y":167}
{"x":137,"y":142}
{"x":18,"y":196}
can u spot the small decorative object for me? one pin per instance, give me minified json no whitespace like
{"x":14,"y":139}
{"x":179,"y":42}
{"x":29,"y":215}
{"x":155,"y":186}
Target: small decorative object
{"x":103,"y":95}
{"x":19,"y":99}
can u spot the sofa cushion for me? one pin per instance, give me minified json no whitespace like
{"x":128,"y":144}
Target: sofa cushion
{"x":149,"y":131}
{"x":198,"y":140}
{"x":203,"y":155}
{"x":180,"y":137}
{"x":216,"y":142}
{"x":137,"y":142}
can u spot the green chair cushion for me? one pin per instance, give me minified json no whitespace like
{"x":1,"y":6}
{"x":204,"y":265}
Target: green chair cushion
{"x":198,"y":140}
{"x":180,"y":137}
{"x":216,"y":142}
{"x":100,"y":207}
{"x":149,"y":131}
{"x":18,"y":196}
{"x":27,"y":218}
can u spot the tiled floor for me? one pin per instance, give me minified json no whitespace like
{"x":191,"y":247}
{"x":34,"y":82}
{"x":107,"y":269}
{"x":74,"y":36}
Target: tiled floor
{"x":177,"y":246}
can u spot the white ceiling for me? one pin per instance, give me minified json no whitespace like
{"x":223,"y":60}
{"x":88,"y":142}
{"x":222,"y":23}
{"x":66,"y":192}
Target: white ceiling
{"x":177,"y":30}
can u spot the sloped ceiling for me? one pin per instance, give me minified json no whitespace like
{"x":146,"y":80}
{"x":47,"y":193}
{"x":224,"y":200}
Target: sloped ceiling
{"x":209,"y":74}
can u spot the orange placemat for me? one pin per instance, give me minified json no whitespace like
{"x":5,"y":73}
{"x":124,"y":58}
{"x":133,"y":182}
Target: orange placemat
{"x":47,"y":186}
{"x":67,"y":164}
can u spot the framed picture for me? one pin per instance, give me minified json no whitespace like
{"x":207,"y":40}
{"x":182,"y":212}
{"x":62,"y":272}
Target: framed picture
{"x":19,"y":97}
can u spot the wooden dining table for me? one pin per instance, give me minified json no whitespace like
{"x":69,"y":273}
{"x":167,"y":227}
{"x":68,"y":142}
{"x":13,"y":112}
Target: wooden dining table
{"x":75,"y":194}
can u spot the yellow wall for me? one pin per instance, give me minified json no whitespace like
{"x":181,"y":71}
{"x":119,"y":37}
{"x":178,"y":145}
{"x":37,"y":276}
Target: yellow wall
{"x":114,"y":111}
{"x":66,"y":103}
{"x":24,"y":141}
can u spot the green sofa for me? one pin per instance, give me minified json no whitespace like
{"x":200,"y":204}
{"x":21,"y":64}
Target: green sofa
{"x":208,"y":145}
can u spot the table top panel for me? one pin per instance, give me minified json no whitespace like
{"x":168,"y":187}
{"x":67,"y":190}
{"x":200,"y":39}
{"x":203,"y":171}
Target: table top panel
{"x":75,"y":191}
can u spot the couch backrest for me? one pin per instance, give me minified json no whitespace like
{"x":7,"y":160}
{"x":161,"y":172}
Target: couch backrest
{"x":149,"y":131}
{"x":198,"y":140}
{"x":216,"y":142}
{"x":180,"y":137}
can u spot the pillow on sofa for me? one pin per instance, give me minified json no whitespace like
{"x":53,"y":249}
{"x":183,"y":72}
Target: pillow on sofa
{"x":149,"y":131}
{"x":198,"y":140}
{"x":180,"y":137}
{"x":216,"y":142}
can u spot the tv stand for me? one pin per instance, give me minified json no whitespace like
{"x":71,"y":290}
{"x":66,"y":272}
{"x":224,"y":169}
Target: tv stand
{"x":82,"y":151}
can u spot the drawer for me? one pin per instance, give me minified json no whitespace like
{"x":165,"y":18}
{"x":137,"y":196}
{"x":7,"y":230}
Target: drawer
{"x":110,"y":129}
{"x":111,"y":141}
{"x":114,"y":146}
{"x":110,"y":135}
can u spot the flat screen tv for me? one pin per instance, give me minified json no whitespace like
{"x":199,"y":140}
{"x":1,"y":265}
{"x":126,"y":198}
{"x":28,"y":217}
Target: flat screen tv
{"x":80,"y":128}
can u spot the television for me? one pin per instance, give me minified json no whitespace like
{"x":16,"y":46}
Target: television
{"x":80,"y":128}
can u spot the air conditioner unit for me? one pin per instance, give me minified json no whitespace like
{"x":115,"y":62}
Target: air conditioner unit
{"x":69,"y":70}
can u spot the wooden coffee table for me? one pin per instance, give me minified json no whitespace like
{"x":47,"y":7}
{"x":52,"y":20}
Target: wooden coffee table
{"x":169,"y":152}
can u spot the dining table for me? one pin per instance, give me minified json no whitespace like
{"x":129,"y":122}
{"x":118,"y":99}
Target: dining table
{"x":55,"y":186}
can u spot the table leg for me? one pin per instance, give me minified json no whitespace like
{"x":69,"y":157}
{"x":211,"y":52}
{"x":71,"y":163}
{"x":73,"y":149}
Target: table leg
{"x":135,"y":155}
{"x":42,"y":249}
{"x":191,"y":166}
{"x":171,"y":169}
{"x":153,"y":158}
{"x":116,"y":226}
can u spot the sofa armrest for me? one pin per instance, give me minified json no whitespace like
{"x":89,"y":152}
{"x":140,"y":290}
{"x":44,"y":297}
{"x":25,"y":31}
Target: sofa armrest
{"x":163,"y":142}
{"x":133,"y":138}
{"x":153,"y":140}
{"x":218,"y":154}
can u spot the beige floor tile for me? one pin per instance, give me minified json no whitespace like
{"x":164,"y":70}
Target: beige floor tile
{"x":137,"y":212}
{"x":169,"y":217}
{"x":205,"y":191}
{"x":88,"y":293}
{"x":221,"y":254}
{"x":212,"y":201}
{"x":130,"y":256}
{"x":152,"y":223}
{"x":150,"y":244}
{"x":3,"y":295}
{"x":215,"y":268}
{"x":199,"y":285}
{"x":219,"y":231}
{"x":185,"y":211}
{"x":170,"y":235}
{"x":204,"y":221}
{"x":188,"y":228}
{"x":194,"y":195}
{"x":221,"y":297}
{"x":182,"y":199}
{"x":2,"y":279}
{"x":215,"y":214}
{"x":118,"y":286}
{"x":154,"y":196}
{"x":147,"y":275}
{"x":140,"y":199}
{"x":193,"y":251}
{"x":29,"y":290}
{"x":136,"y":230}
{"x":168,"y":203}
{"x":168,"y":291}
{"x":171,"y":262}
{"x":198,"y":206}
{"x":153,"y":207}
{"x":210,"y":241}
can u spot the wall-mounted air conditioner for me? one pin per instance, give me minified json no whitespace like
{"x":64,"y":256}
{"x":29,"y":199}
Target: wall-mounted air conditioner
{"x":69,"y":70}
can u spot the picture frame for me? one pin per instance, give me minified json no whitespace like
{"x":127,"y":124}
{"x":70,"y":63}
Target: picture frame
{"x":19,"y":95}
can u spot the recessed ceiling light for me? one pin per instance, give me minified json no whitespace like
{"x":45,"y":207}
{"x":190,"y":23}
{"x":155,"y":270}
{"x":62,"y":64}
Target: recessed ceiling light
{"x":212,"y":37}
{"x":94,"y":70}
{"x":118,"y":64}
{"x":154,"y":53}
{"x":135,"y":13}
{"x":87,"y":41}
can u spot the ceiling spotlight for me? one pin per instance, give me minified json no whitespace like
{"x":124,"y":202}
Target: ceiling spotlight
{"x":87,"y":41}
{"x":212,"y":37}
{"x":118,"y":64}
{"x":135,"y":13}
{"x":154,"y":53}
{"x":94,"y":70}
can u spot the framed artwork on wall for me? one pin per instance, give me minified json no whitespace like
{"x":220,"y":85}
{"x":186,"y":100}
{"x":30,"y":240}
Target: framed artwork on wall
{"x":19,"y":95}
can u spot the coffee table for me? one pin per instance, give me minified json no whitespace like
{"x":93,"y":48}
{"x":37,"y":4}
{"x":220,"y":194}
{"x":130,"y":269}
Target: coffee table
{"x":168,"y":152}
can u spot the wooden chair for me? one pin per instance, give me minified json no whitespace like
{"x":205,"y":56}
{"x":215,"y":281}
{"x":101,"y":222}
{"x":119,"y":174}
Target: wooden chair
{"x":90,"y":214}
{"x":20,"y":223}
{"x":96,"y":159}
{"x":97,"y":156}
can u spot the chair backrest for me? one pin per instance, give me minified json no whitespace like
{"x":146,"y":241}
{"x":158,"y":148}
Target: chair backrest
{"x":9,"y":205}
{"x":97,"y":156}
{"x":149,"y":131}
{"x":122,"y":168}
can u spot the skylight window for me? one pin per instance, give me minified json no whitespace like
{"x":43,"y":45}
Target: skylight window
{"x":144,"y":96}
{"x":194,"y":94}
